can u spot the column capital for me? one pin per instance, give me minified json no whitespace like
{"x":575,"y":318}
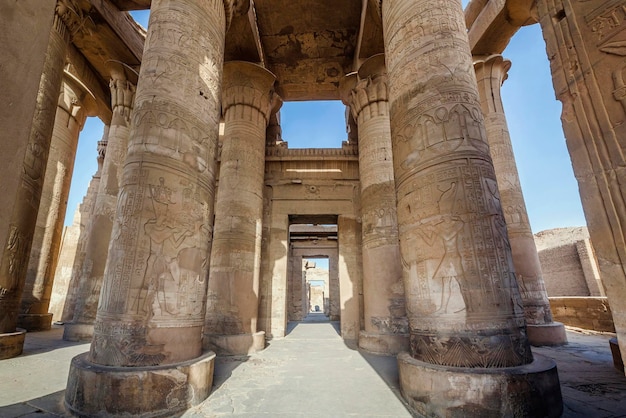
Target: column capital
{"x":74,"y":100}
{"x":122,"y":98}
{"x":367,"y":87}
{"x":495,"y":66}
{"x":235,"y":8}
{"x":248,"y":85}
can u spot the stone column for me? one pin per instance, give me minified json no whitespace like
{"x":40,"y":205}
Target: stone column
{"x":233,"y":296}
{"x":66,"y":281}
{"x":350,"y":272}
{"x":101,"y":223}
{"x":386,"y":329}
{"x":69,"y":120}
{"x":148,"y":328}
{"x":490,"y":73}
{"x":33,"y":99}
{"x":466,"y":318}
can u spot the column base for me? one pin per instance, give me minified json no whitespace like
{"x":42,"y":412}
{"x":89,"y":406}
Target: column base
{"x":235,"y":345}
{"x":153,"y":391}
{"x":546,"y":334}
{"x":617,"y":355}
{"x":12,"y":343}
{"x":531,"y":390}
{"x":73,"y":331}
{"x":35,"y":322}
{"x":383,"y":344}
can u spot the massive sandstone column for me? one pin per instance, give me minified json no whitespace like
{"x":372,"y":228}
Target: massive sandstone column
{"x":465,"y":313}
{"x":27,"y":131}
{"x":490,"y":73}
{"x":383,"y":292}
{"x":148,"y":329}
{"x":233,"y":296}
{"x":69,"y":120}
{"x":101,"y":222}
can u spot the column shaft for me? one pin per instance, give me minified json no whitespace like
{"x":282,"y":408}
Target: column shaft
{"x":22,"y":186}
{"x":491,"y":73}
{"x":101,"y":222}
{"x":463,"y":305}
{"x":68,"y":123}
{"x":233,"y":296}
{"x":151,"y":307}
{"x":148,"y":328}
{"x":386,"y":328}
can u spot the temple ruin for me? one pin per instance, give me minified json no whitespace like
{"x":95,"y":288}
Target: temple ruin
{"x":193,"y":232}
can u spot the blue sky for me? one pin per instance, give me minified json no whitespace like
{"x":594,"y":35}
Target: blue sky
{"x":532,"y":112}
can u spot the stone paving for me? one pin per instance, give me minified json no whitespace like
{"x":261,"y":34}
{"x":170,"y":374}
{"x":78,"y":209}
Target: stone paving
{"x":310,"y":373}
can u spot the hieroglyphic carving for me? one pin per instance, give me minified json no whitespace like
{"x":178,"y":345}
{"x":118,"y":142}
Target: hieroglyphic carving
{"x":458,"y":273}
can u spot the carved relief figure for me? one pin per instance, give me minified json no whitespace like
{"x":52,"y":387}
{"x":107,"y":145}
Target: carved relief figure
{"x":160,"y":267}
{"x":447,"y":228}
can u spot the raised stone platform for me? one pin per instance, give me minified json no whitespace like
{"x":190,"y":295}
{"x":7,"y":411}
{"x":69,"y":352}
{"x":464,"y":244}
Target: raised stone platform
{"x":546,"y":334}
{"x":95,"y":390}
{"x":234,"y":345}
{"x":383,"y":344}
{"x":531,"y":390}
{"x":77,"y":332}
{"x":35,"y":322}
{"x":12,"y":343}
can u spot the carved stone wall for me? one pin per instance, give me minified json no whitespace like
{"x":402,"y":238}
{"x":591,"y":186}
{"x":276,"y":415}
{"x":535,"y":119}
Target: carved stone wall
{"x":585,"y":43}
{"x":28,"y":129}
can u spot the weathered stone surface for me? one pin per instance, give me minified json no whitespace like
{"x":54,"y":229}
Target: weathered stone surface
{"x":593,"y":313}
{"x":113,"y":153}
{"x":491,"y":72}
{"x":568,"y":262}
{"x":461,"y":294}
{"x":383,"y":292}
{"x":232,"y":300}
{"x":33,"y":93}
{"x":585,"y":45}
{"x":96,"y":390}
{"x":529,"y":390}
{"x":69,"y":120}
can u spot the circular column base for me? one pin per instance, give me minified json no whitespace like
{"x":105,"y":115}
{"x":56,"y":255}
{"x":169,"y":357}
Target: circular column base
{"x":546,"y":334}
{"x":383,"y":344}
{"x":73,"y":331}
{"x":152,"y":391}
{"x":35,"y":322}
{"x":531,"y":390}
{"x":12,"y":343}
{"x":235,"y":345}
{"x":616,"y":354}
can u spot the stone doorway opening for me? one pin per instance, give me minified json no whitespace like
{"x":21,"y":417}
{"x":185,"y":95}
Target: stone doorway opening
{"x":316,"y":287}
{"x":313,"y":280}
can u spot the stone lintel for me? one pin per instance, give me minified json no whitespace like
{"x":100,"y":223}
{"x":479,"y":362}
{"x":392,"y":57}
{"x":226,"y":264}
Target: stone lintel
{"x":530,"y":390}
{"x":96,"y":390}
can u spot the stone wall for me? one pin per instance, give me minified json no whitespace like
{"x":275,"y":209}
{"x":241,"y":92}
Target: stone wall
{"x":591,"y":313}
{"x":568,"y":262}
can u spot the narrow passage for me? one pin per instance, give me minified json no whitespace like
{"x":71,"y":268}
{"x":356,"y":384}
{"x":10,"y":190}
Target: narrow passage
{"x":309,"y":373}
